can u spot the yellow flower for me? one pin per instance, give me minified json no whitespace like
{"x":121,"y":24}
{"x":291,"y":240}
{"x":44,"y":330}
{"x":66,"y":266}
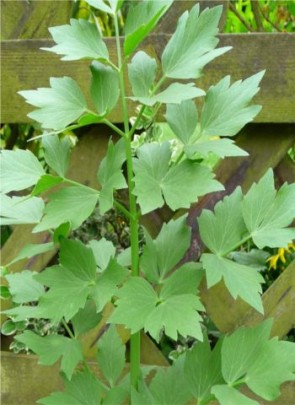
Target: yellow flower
{"x":273,"y":260}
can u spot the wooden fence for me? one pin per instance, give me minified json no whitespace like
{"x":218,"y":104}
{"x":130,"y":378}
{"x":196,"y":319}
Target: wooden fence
{"x":24,"y":66}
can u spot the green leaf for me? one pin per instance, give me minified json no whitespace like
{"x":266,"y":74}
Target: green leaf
{"x":202,"y":369}
{"x":20,"y":169}
{"x":24,"y":288}
{"x":32,"y":250}
{"x":274,"y":365}
{"x":57,"y":153}
{"x":192,"y":45}
{"x":107,"y":283}
{"x":110,"y":346}
{"x":182,"y":119}
{"x":263,"y":364}
{"x":116,"y":396}
{"x":154,"y":180}
{"x":141,"y":20}
{"x":5,"y":293}
{"x":104,"y":87}
{"x":71,"y":204}
{"x":142,"y":73}
{"x":162,"y":254}
{"x":62,"y":231}
{"x":226,"y":109}
{"x":8,"y":327}
{"x":59,"y":105}
{"x":100,"y":5}
{"x":70,"y":283}
{"x":83,"y":388}
{"x":255,"y":258}
{"x":220,"y":147}
{"x":169,"y":386}
{"x":110,"y":174}
{"x":174,"y":94}
{"x":103,"y":251}
{"x":139,"y":307}
{"x":242,"y":281}
{"x":86,"y":318}
{"x":228,"y":395}
{"x":223,"y":230}
{"x":137,"y":300}
{"x":78,"y":40}
{"x":267,"y":213}
{"x":50,"y":348}
{"x":20,"y":210}
{"x":78,"y":258}
{"x":68,"y":293}
{"x":45,"y":183}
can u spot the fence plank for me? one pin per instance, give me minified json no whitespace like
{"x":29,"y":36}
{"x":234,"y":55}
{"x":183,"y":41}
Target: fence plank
{"x":24,"y":66}
{"x":24,"y":19}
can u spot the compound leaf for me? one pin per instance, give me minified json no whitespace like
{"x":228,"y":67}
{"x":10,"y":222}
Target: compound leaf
{"x":142,"y":73}
{"x":71,"y":204}
{"x":164,"y":253}
{"x":104,"y":87}
{"x":154,"y":180}
{"x":242,"y":281}
{"x":20,"y":169}
{"x":50,"y":348}
{"x":139,"y":307}
{"x":267,"y":212}
{"x":110,"y":346}
{"x":57,"y":153}
{"x":226,"y":108}
{"x":110,"y":174}
{"x":78,"y":40}
{"x":141,"y":20}
{"x":192,"y":45}
{"x":59,"y":105}
{"x":174,"y":94}
{"x":23,"y":287}
{"x":20,"y":210}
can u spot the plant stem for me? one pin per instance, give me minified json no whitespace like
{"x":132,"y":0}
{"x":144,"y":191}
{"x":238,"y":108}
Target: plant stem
{"x":135,"y":338}
{"x":113,"y":127}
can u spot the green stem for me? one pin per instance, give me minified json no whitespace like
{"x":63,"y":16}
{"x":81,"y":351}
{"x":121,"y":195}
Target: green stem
{"x":113,"y":127}
{"x":70,"y":333}
{"x":135,"y":338}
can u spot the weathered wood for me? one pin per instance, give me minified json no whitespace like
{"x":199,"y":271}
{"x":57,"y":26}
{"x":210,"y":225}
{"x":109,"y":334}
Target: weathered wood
{"x":278,"y":303}
{"x":24,"y":66}
{"x":24,"y":19}
{"x":35,"y":381}
{"x":169,"y":21}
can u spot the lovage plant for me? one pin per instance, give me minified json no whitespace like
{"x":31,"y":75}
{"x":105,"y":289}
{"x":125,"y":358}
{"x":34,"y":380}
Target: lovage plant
{"x":150,"y":291}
